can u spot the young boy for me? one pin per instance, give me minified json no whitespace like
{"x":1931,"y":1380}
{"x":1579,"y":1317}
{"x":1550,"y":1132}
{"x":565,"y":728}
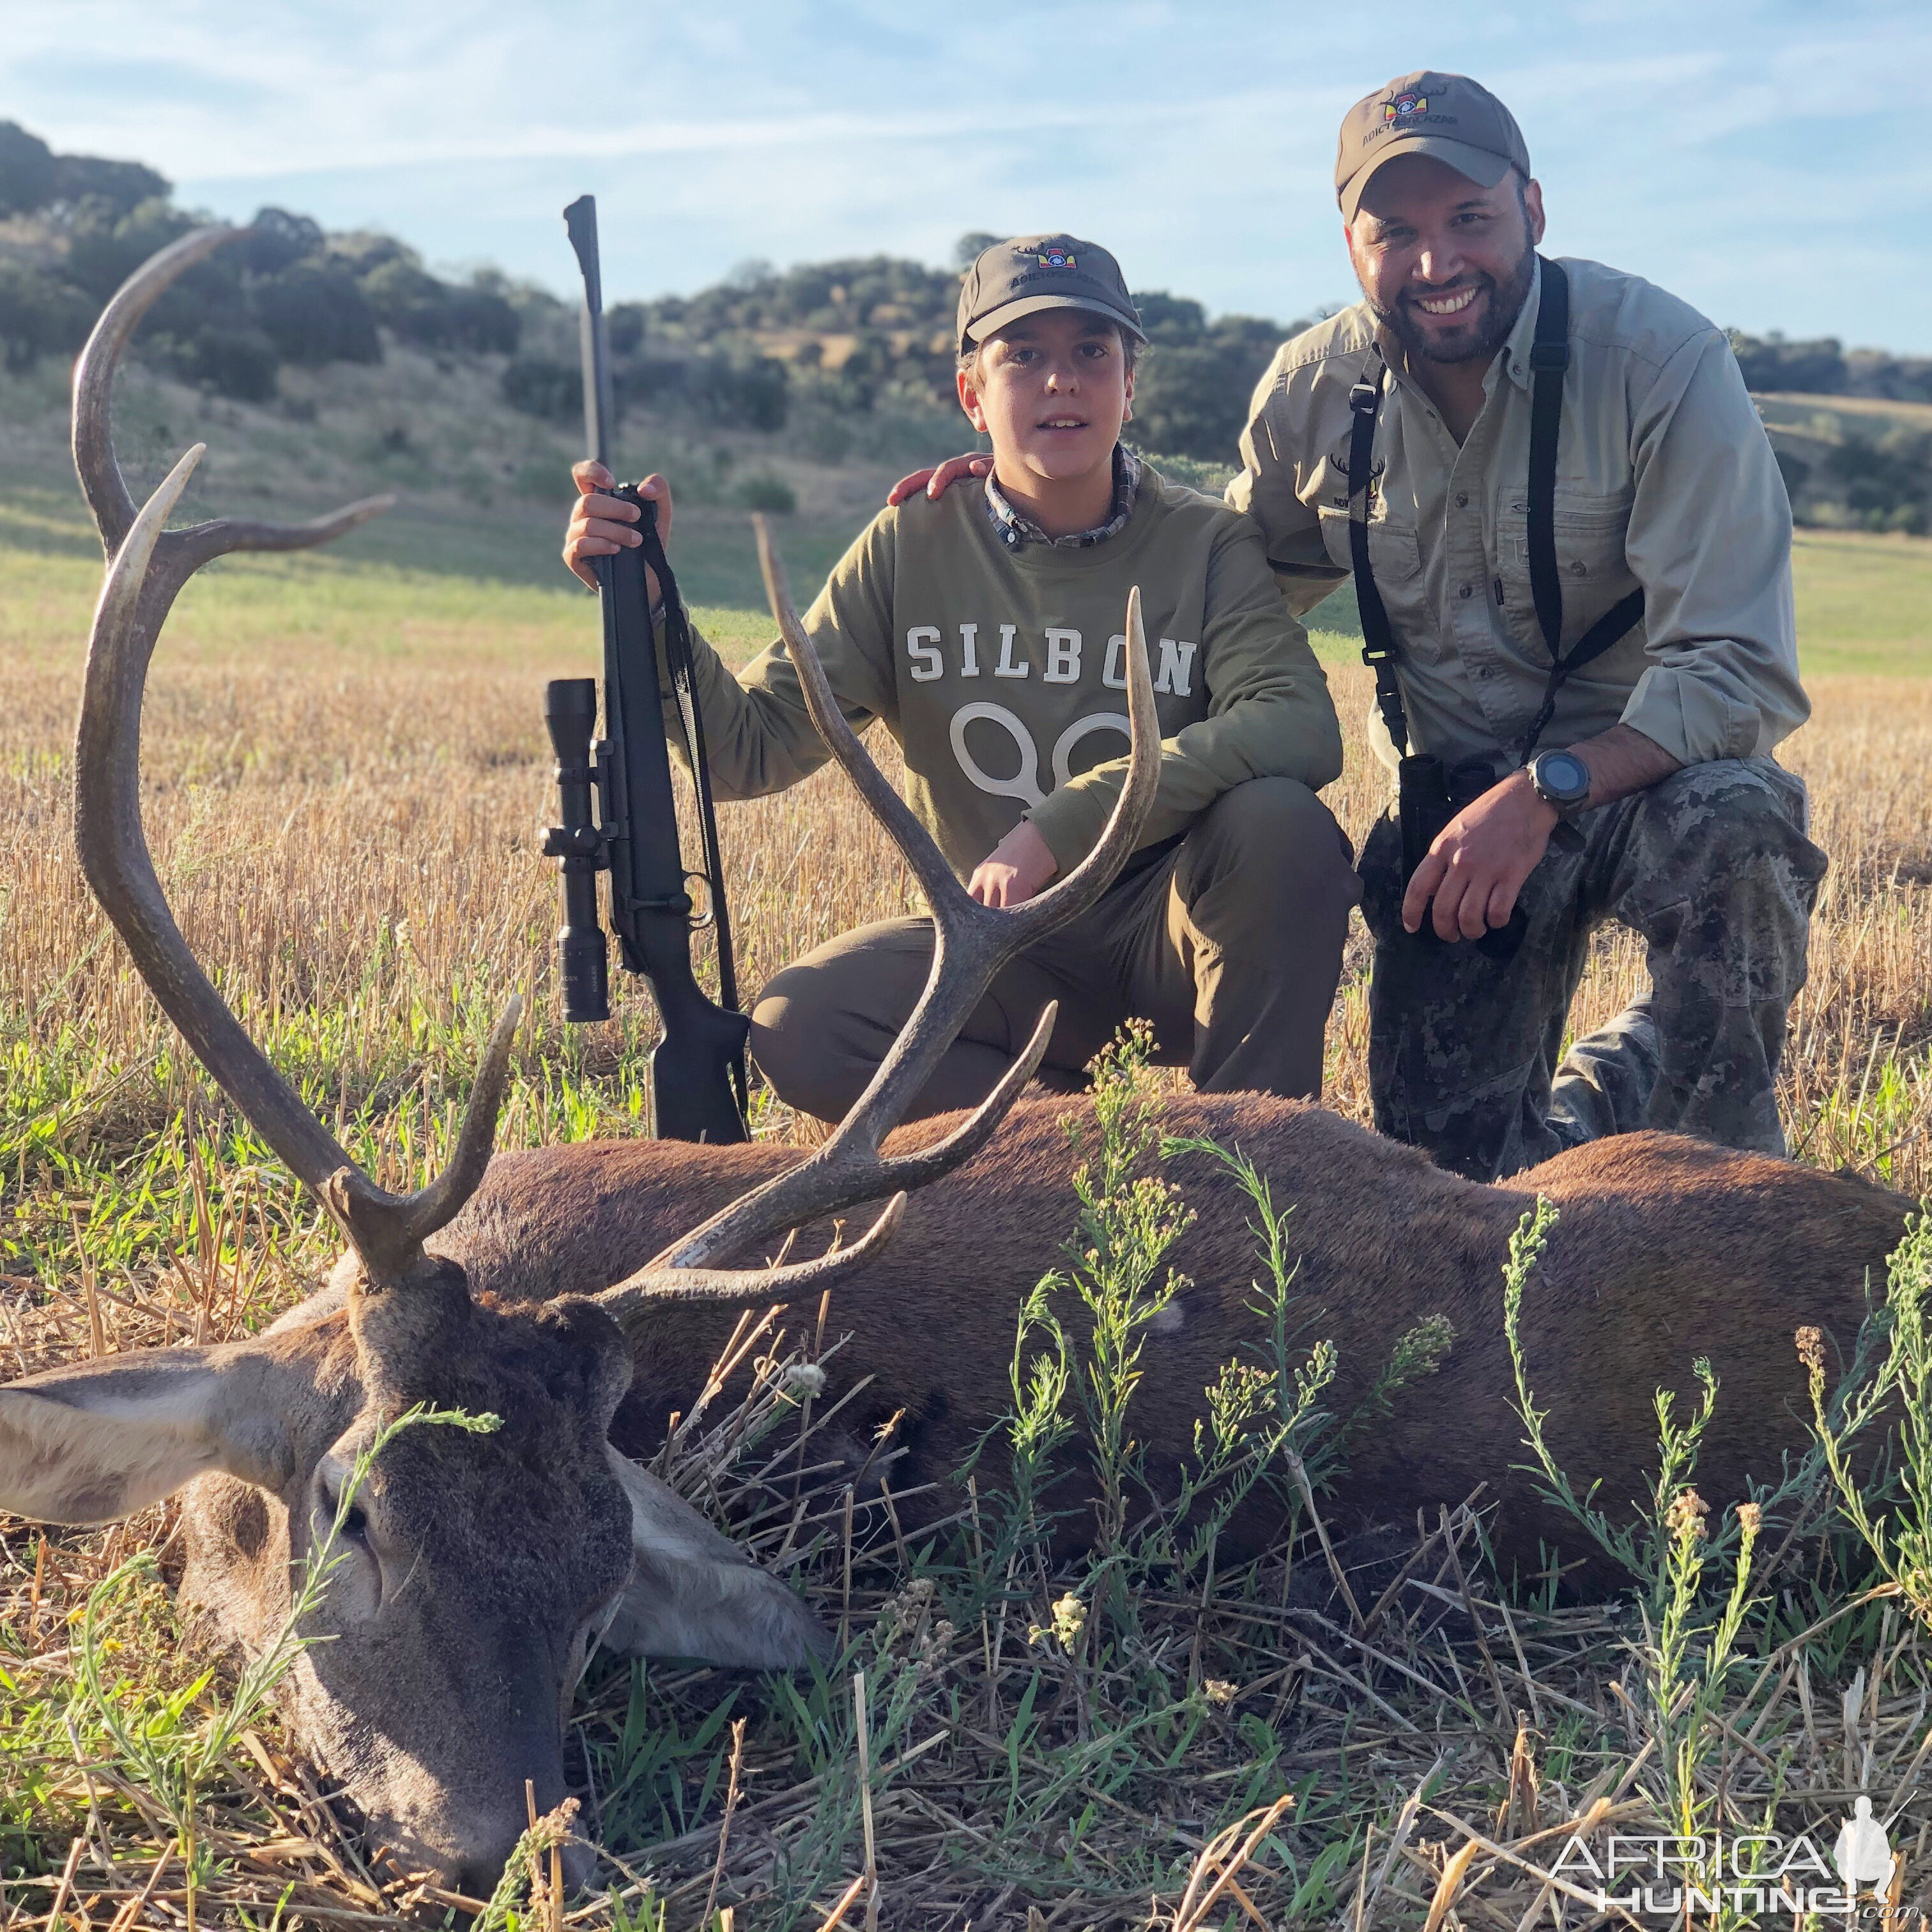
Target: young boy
{"x":984,"y":632}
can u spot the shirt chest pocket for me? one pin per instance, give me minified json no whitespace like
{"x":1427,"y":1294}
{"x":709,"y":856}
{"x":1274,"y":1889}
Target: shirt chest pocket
{"x":1395,"y":561}
{"x":1590,"y":566}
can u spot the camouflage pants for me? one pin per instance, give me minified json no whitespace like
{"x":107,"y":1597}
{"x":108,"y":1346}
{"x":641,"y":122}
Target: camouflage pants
{"x":1713,"y":868}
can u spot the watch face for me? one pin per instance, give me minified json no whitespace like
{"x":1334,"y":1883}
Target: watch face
{"x":1562,"y":777}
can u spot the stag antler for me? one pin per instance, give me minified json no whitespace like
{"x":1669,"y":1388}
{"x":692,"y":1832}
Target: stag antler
{"x":147,"y":566}
{"x":972,"y":943}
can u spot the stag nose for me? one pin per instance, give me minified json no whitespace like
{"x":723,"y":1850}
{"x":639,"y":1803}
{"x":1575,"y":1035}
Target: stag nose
{"x":580,"y":1866}
{"x":476,"y":1866}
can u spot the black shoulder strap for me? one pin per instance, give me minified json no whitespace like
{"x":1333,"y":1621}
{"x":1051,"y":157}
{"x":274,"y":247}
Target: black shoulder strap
{"x":679,"y":657}
{"x":1549,"y":363}
{"x":1365,"y":402}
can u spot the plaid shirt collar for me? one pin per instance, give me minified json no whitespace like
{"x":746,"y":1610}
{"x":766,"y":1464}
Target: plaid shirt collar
{"x":1015,"y":531}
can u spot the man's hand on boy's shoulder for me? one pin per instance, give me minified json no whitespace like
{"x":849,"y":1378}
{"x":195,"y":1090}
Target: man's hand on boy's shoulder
{"x":1014,"y":869}
{"x":936,"y":482}
{"x":601,"y":526}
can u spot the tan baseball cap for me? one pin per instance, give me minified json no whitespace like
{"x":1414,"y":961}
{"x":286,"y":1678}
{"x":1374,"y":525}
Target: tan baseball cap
{"x":1033,"y":272}
{"x":1448,"y":116}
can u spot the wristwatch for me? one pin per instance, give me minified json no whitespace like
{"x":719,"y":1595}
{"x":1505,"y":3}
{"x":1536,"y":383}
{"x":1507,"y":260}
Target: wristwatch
{"x":1562,"y":779}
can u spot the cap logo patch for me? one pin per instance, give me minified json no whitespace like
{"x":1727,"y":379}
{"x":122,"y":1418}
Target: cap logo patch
{"x":1401,"y":107}
{"x":1056,"y":258}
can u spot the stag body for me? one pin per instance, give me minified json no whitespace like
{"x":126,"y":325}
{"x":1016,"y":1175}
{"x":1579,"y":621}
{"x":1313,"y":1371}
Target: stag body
{"x":1666,"y":1249}
{"x":482,"y":1569}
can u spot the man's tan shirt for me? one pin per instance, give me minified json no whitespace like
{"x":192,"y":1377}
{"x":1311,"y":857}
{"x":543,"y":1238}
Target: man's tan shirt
{"x":1665,"y":480}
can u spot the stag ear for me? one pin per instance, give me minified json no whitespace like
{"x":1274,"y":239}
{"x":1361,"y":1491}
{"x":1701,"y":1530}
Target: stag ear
{"x":695,"y":1594}
{"x":98,"y":1440}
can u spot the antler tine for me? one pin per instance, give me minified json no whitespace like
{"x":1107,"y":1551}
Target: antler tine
{"x":101,"y":479}
{"x":972,"y":943}
{"x":915,"y":843}
{"x":629,"y":1303}
{"x":148,"y":565}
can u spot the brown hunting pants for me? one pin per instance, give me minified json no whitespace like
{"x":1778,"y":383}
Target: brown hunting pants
{"x":1230,"y":944}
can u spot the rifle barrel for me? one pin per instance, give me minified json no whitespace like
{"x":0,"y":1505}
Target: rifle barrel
{"x":600,"y":411}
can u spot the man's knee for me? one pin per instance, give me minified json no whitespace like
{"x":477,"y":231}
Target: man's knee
{"x":1729,"y":834}
{"x":1279,"y":844}
{"x":1728,"y":809}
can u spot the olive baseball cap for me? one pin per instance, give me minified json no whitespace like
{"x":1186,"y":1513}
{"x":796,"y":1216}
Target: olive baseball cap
{"x":1033,"y":272}
{"x":1448,"y":116}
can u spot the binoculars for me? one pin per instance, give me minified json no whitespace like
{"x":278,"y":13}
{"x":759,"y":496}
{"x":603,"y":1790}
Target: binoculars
{"x":1427,"y":797}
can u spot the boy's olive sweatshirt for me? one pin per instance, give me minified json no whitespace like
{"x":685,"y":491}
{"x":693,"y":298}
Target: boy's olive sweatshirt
{"x":1002,"y":674}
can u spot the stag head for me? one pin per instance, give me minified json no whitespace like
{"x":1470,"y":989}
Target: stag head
{"x":480,"y":1569}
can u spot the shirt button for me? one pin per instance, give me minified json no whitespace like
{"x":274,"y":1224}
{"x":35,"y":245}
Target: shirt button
{"x":1462,"y":502}
{"x":1468,"y":590}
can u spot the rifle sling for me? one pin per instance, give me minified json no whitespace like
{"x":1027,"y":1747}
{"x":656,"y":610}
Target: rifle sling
{"x":1548,"y":361}
{"x":680,"y":659}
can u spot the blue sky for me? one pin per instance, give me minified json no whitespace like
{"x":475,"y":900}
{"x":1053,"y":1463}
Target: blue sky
{"x":1765,"y":160}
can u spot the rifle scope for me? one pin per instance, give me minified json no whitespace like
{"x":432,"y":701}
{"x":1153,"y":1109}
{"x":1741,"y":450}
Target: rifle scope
{"x":583,"y":954}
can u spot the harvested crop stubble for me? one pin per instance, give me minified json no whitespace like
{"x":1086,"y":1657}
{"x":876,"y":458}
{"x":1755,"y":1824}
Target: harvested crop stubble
{"x":359,"y":839}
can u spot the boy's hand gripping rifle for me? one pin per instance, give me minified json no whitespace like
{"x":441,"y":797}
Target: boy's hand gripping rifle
{"x":698,"y":1069}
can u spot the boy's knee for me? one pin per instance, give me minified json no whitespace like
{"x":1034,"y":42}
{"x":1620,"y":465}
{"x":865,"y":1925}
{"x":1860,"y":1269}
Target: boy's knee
{"x":796,"y":1025}
{"x":1275,"y":839}
{"x":822,"y":1024}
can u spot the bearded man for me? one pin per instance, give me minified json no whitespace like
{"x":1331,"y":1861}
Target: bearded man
{"x":1571,"y":551}
{"x":1571,"y":548}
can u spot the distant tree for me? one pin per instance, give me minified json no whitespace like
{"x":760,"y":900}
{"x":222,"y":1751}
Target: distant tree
{"x":410,"y":300}
{"x":1192,"y":394}
{"x":971,"y":246}
{"x":655,"y":381}
{"x":755,"y":393}
{"x":237,"y":362}
{"x":1771,"y":364}
{"x":1168,"y":318}
{"x":122,"y":185}
{"x":27,"y":170}
{"x":315,"y":312}
{"x":624,"y":324}
{"x":1886,"y":480}
{"x":277,"y":239}
{"x":766,"y":493}
{"x":362,"y":252}
{"x":483,"y":321}
{"x":39,"y":315}
{"x":554,"y":391}
{"x":104,"y":249}
{"x":1898,"y":379}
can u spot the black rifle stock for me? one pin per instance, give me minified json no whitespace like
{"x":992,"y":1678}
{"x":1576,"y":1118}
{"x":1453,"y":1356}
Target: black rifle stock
{"x":698,"y":1068}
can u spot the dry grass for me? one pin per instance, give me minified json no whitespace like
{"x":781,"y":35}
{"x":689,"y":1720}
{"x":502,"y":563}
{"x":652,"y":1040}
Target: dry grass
{"x":350,"y":844}
{"x":361,"y":838}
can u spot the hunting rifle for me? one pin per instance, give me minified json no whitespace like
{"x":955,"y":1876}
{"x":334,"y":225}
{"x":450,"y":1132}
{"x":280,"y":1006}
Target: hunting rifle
{"x":618,"y":812}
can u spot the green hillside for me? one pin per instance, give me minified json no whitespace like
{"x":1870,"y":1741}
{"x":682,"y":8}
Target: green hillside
{"x":319,"y":367}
